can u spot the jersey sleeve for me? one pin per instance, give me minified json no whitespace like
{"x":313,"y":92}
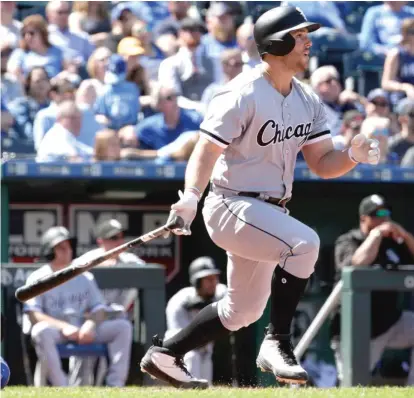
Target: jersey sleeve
{"x":225,"y":118}
{"x":320,"y":129}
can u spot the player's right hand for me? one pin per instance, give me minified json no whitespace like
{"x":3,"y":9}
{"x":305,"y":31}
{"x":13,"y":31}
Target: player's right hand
{"x":71,"y":332}
{"x":364,"y":150}
{"x":186,"y":208}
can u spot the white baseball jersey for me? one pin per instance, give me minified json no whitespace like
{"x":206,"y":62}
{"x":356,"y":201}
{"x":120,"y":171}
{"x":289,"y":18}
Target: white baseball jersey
{"x":262,"y":131}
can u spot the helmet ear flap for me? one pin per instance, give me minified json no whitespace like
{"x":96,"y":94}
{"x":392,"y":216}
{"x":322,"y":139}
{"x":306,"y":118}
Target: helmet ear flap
{"x":282,"y":46}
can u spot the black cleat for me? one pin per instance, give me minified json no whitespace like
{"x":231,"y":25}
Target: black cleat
{"x":163,"y":364}
{"x":276,"y":356}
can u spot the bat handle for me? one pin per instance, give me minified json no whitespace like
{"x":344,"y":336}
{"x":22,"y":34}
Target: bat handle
{"x":176,"y":222}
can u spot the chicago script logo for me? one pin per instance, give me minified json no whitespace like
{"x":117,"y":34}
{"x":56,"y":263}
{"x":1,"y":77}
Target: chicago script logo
{"x":272,"y":128}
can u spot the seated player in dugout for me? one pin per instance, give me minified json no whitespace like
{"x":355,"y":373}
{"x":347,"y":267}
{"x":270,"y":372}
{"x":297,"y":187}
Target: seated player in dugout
{"x":379,"y":241}
{"x":205,"y":289}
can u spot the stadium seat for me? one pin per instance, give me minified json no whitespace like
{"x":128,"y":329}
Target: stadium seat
{"x":365,"y":70}
{"x":71,"y":350}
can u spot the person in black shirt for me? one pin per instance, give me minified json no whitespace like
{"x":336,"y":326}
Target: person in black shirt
{"x":378,"y":241}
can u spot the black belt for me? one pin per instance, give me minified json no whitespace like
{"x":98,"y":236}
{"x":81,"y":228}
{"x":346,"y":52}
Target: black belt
{"x":265,"y":198}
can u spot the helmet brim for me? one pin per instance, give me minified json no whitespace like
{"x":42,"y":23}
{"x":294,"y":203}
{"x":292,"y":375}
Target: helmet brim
{"x":207,"y":272}
{"x":310,"y":26}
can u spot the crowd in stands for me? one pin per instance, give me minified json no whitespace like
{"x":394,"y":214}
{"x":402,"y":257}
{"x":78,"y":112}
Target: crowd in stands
{"x":123,"y":80}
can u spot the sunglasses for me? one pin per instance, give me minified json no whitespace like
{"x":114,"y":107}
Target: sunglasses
{"x":63,"y":12}
{"x":381,"y":213}
{"x":380,"y":104}
{"x":330,"y":80}
{"x":169,"y":97}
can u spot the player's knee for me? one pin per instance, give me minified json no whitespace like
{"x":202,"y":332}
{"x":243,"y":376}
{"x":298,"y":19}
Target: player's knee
{"x":234,"y":318}
{"x":124,"y":327}
{"x":41,"y":331}
{"x":309,"y":246}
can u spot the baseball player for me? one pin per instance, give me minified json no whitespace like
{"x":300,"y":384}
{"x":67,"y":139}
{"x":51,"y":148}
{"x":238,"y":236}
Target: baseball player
{"x":60,"y":315}
{"x":187,"y":303}
{"x":250,"y":138}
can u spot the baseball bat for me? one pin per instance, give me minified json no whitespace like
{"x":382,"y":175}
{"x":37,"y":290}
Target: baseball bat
{"x":57,"y":278}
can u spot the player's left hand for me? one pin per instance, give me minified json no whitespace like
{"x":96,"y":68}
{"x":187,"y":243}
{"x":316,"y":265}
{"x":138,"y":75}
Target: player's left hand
{"x":87,"y":333}
{"x":364,"y":150}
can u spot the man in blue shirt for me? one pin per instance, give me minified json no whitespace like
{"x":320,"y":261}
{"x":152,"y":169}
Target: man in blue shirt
{"x":381,"y":26}
{"x":118,"y":106}
{"x":164,"y":127}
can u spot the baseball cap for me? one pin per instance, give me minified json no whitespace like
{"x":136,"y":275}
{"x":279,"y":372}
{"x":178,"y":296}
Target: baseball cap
{"x":116,"y":69}
{"x":377,"y":93}
{"x":218,"y":9}
{"x":108,"y":229}
{"x":130,"y":46}
{"x":192,"y":24}
{"x":405,"y":107}
{"x":374,"y":205}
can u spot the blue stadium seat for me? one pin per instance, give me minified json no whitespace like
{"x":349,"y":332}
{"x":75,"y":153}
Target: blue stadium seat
{"x":365,"y":68}
{"x":82,"y":350}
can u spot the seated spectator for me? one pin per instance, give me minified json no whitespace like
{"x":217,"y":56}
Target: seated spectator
{"x":164,"y":127}
{"x":246,"y":43}
{"x":232,"y":64}
{"x":351,"y":126}
{"x":11,"y":88}
{"x":138,"y":75}
{"x":381,"y":26}
{"x":61,"y":141}
{"x":74,"y":46}
{"x":379,"y":128}
{"x":107,"y":146}
{"x":131,"y":50}
{"x":408,"y":159}
{"x":9,"y":27}
{"x":190,"y":70}
{"x":86,"y":95}
{"x":326,"y":82}
{"x":379,"y":241}
{"x":170,"y":26}
{"x":79,"y":316}
{"x":90,"y":17}
{"x":62,"y":90}
{"x":118,"y":105}
{"x":110,"y":234}
{"x":6,"y":119}
{"x":221,"y":26}
{"x":400,"y":143}
{"x":96,"y":67}
{"x":35,"y":50}
{"x":25,"y":108}
{"x":398,"y":75}
{"x":153,"y":55}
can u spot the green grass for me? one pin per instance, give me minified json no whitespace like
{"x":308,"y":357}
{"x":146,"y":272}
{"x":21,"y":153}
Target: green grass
{"x":166,"y":392}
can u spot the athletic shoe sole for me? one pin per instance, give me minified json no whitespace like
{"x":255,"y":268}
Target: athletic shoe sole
{"x":264,"y":366}
{"x":148,"y":366}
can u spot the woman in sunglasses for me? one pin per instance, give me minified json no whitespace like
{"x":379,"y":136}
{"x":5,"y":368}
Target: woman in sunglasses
{"x":398,"y":75}
{"x":35,"y":50}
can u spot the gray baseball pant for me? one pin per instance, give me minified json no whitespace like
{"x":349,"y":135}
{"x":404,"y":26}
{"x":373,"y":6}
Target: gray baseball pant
{"x":116,"y":333}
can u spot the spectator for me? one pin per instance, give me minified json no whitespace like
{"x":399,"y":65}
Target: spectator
{"x":11,"y":88}
{"x":61,"y":141}
{"x":138,"y":75}
{"x":96,"y":67}
{"x":326,"y":82}
{"x":86,"y":95}
{"x":6,"y":119}
{"x":131,"y":50}
{"x":232,"y":64}
{"x":170,"y":26}
{"x":74,"y":311}
{"x":381,"y":26}
{"x":107,"y":146}
{"x":378,"y":241}
{"x":118,"y":105}
{"x":74,"y":46}
{"x":221,"y":34}
{"x":60,"y":90}
{"x":24,"y":109}
{"x":110,"y":234}
{"x":379,"y":128}
{"x":164,"y":127}
{"x":9,"y":28}
{"x":35,"y":50}
{"x":153,"y":55}
{"x":351,"y":126}
{"x":246,"y":43}
{"x":408,"y":159}
{"x":398,"y":75}
{"x":122,"y":19}
{"x":205,"y":289}
{"x":403,"y":141}
{"x":190,"y":70}
{"x":90,"y":17}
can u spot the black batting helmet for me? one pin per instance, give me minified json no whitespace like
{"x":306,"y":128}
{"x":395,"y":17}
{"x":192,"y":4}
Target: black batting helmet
{"x":201,"y":267}
{"x":51,"y":238}
{"x":272,"y":29}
